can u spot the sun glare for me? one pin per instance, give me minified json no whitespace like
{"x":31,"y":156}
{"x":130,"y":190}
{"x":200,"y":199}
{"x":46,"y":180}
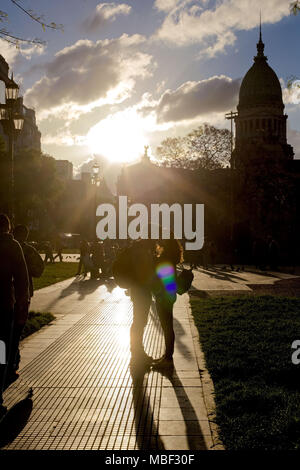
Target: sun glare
{"x":119,"y":138}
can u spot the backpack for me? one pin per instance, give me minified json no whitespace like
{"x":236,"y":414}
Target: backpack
{"x":35,"y":264}
{"x":184,"y":281}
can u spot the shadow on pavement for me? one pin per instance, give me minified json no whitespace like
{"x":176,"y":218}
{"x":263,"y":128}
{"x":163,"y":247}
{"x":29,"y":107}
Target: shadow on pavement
{"x":83,"y":287}
{"x":193,"y":430}
{"x":222,"y":275}
{"x":14,"y":421}
{"x":146,"y":429}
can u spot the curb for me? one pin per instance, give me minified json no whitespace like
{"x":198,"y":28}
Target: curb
{"x":206,"y":382}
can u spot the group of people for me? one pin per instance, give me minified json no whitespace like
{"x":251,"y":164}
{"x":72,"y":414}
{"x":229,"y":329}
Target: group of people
{"x":146,"y":268}
{"x":49,"y":256}
{"x":97,"y":258}
{"x":20,"y":262}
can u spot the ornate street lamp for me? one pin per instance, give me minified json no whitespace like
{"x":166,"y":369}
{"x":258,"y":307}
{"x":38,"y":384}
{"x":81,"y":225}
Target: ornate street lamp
{"x":12,"y":123}
{"x":11,"y":91}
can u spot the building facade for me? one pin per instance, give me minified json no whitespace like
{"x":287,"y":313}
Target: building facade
{"x":30,"y":136}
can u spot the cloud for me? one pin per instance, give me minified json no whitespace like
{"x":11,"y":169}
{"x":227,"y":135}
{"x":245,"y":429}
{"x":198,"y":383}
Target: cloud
{"x":186,"y":23}
{"x":195,"y":99}
{"x":12,"y":54}
{"x":293,"y":137}
{"x":291,"y":94}
{"x":89,"y":74}
{"x":105,"y":12}
{"x":166,"y":5}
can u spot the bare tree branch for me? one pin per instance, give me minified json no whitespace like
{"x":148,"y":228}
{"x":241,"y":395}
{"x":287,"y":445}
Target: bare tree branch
{"x":16,"y":40}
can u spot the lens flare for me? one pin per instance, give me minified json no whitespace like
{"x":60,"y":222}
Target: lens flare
{"x":166,"y":273}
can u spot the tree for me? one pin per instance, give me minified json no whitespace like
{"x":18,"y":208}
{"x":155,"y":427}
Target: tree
{"x":172,"y":152}
{"x":205,"y":147}
{"x":14,"y":38}
{"x":39,"y":200}
{"x":295,"y":7}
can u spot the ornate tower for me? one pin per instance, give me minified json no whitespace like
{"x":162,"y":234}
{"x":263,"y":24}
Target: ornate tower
{"x":260,"y":122}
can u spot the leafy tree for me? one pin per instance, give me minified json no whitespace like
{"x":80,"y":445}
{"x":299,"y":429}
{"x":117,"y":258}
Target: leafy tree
{"x":35,"y":201}
{"x":14,"y":38}
{"x":205,"y":147}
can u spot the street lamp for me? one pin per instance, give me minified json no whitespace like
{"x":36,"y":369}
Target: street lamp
{"x":96,"y":170}
{"x":96,"y":183}
{"x":12,"y":123}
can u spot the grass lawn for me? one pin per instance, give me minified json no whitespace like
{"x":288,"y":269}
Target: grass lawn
{"x":36,"y":320}
{"x":247,"y":345}
{"x":55,"y":273}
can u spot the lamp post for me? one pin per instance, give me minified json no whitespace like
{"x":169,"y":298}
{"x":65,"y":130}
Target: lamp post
{"x":96,"y":183}
{"x":12,"y":123}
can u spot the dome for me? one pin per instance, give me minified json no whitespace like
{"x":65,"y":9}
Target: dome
{"x":260,"y":85}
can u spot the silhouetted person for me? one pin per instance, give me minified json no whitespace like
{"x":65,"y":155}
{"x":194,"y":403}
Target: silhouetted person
{"x":142,"y":270}
{"x":84,"y":257}
{"x":34,"y":261}
{"x":134,"y":269}
{"x":14,"y":294}
{"x":97,"y":258}
{"x":48,"y":253}
{"x":168,"y":255}
{"x":59,"y":248}
{"x":35,"y":268}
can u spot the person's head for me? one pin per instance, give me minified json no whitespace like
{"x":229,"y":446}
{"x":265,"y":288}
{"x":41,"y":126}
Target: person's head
{"x":170,"y":249}
{"x":4,"y":224}
{"x":21,"y":233}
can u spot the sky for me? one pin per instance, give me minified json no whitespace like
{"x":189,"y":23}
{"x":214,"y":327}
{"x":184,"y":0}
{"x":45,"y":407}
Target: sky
{"x":124,"y":74}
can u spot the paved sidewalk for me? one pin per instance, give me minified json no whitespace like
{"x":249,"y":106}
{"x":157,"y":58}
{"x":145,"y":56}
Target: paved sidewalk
{"x":217,"y":281}
{"x":86,"y":395}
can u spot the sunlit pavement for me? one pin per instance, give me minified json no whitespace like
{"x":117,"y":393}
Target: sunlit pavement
{"x":219,"y":281}
{"x":86,"y":394}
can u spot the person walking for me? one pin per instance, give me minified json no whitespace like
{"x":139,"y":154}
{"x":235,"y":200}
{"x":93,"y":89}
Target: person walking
{"x":169,"y":253}
{"x":134,"y":270}
{"x":84,"y":257}
{"x":14,"y":295}
{"x":48,"y":253}
{"x":35,"y":267}
{"x":59,"y":247}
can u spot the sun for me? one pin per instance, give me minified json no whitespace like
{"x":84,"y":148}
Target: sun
{"x":119,"y":138}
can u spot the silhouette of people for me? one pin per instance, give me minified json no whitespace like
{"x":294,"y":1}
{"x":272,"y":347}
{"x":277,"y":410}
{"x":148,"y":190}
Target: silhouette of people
{"x":150,"y":268}
{"x":59,"y":247}
{"x":97,"y":258}
{"x":141,"y":273}
{"x":35,"y":268}
{"x":14,"y":295}
{"x":169,"y":253}
{"x":48,"y":253}
{"x":84,"y":261}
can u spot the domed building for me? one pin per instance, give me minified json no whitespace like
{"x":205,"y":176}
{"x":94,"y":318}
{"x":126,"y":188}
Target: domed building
{"x":260,"y":120}
{"x":258,"y":197}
